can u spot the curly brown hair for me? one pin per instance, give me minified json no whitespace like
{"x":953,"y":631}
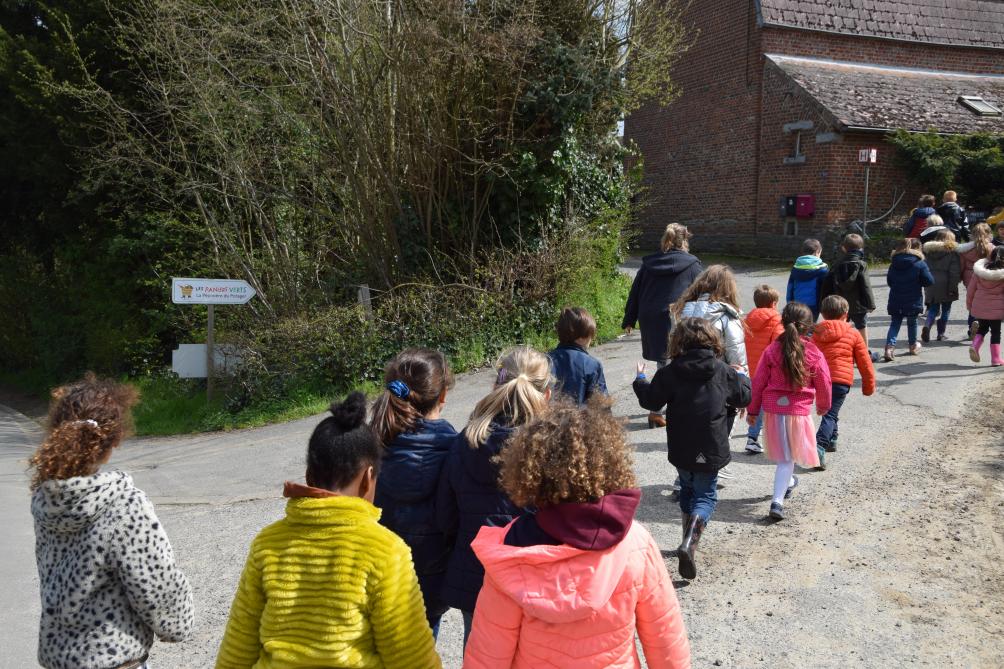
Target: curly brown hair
{"x":690,"y":333}
{"x":567,"y":454}
{"x":87,"y":419}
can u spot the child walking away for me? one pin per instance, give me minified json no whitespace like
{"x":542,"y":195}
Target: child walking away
{"x":806,"y":279}
{"x":849,"y":279}
{"x":328,"y":586}
{"x":980,"y":247}
{"x":985,"y":299}
{"x":907,"y":277}
{"x":915,"y":225}
{"x":946,"y":268}
{"x":697,"y":388}
{"x":106,"y":572}
{"x":469,"y":496}
{"x":843,"y":347}
{"x":571,"y":585}
{"x":577,"y":374}
{"x":416,"y":442}
{"x":793,"y":373}
{"x":763,"y":326}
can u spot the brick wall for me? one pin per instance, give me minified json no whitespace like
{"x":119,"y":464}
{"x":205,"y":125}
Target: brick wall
{"x":714,"y":158}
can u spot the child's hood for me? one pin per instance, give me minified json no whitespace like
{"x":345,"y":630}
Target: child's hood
{"x":671,"y":262}
{"x":827,"y":331}
{"x":939,"y":248}
{"x":708,"y":310}
{"x":70,"y":505}
{"x":980,"y":270}
{"x":906,"y":259}
{"x":810,"y":262}
{"x":762,"y":319}
{"x":851,"y":267}
{"x":558,"y":584}
{"x":699,"y":363}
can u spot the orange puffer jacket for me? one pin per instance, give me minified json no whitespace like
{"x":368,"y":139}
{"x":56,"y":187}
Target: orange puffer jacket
{"x":843,"y":346}
{"x":763,"y":325}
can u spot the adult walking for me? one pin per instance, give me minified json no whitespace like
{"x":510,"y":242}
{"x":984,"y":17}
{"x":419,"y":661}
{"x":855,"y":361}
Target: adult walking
{"x":659,"y":283}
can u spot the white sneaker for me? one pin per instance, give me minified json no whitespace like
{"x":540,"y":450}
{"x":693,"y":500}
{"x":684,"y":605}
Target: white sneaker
{"x":725,"y":473}
{"x":753,"y":446}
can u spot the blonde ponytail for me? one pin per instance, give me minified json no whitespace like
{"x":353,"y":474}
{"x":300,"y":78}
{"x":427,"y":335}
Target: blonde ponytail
{"x":520,"y":393}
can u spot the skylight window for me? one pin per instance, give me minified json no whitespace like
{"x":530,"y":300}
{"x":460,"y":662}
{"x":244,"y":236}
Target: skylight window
{"x":978,"y":105}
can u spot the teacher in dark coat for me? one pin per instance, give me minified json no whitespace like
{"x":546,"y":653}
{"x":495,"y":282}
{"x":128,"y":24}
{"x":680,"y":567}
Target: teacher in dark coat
{"x":659,"y":283}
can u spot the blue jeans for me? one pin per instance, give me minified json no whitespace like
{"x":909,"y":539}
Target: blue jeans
{"x":754,"y":430}
{"x":827,"y":431}
{"x":698,"y":493}
{"x":895,"y":322}
{"x":932,"y":314}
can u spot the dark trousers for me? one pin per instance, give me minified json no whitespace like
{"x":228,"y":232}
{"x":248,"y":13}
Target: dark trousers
{"x":827,"y":431}
{"x":993,"y":327}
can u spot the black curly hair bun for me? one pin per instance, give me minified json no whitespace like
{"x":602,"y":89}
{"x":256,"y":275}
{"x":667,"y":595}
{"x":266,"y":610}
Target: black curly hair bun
{"x":351,"y":413}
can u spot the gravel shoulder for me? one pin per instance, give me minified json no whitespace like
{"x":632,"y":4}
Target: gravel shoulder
{"x":890,"y":557}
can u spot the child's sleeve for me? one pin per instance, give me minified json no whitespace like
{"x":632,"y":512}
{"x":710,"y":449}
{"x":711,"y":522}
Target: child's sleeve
{"x":661,"y":630}
{"x":631,"y":308}
{"x":970,"y":292}
{"x":401,"y":631}
{"x":734,"y":335}
{"x":495,"y":631}
{"x":926,"y":278}
{"x":157,"y":589}
{"x":600,"y":385}
{"x":655,"y":395}
{"x":790,"y":295}
{"x":447,"y":511}
{"x":863,"y":359}
{"x":867,"y":295}
{"x":739,"y":389}
{"x":241,"y":647}
{"x":954,"y":276}
{"x":823,"y":384}
{"x":759,"y":385}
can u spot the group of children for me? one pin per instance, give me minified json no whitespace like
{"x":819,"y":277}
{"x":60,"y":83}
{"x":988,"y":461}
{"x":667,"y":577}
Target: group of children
{"x":523,"y":520}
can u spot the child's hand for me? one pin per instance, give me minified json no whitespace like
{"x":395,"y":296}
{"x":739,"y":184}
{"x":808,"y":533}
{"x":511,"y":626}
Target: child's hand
{"x":628,"y":330}
{"x":741,"y":414}
{"x":820,"y":412}
{"x":640,"y":368}
{"x":750,"y":419}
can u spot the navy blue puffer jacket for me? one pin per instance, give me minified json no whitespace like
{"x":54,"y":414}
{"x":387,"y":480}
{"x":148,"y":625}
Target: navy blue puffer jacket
{"x":469,"y":498}
{"x":406,"y":494}
{"x":907,"y":277}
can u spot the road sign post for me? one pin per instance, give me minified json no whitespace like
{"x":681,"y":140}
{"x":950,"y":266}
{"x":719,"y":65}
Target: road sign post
{"x":210,"y":292}
{"x":869,"y":157}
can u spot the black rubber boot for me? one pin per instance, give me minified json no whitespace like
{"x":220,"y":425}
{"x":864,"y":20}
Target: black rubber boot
{"x":687,"y":550}
{"x":686,"y":524}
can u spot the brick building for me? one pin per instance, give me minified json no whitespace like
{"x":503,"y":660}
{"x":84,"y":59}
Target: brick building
{"x":779,"y":97}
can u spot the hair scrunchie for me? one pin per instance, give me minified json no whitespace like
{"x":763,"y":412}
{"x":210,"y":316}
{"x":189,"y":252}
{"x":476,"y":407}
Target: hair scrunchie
{"x":399,"y":389}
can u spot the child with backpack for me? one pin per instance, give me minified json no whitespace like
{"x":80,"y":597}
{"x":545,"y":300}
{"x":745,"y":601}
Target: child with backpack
{"x":849,"y":279}
{"x":571,"y":585}
{"x":416,"y":441}
{"x":106,"y":573}
{"x":763,"y":325}
{"x":469,"y":496}
{"x":328,"y":586}
{"x":843,"y":347}
{"x":946,"y":268}
{"x":985,"y":299}
{"x":697,"y":389}
{"x":792,"y":374}
{"x":577,"y":374}
{"x":981,"y":245}
{"x":917,"y":222}
{"x":907,"y":277}
{"x":806,"y":279}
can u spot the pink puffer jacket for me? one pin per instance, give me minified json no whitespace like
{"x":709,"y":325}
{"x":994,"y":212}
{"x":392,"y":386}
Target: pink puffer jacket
{"x":559,"y":606}
{"x":985,"y":292}
{"x":774,"y":394}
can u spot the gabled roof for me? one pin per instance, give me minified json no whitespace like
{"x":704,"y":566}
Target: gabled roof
{"x":875,"y":97}
{"x":978,"y":23}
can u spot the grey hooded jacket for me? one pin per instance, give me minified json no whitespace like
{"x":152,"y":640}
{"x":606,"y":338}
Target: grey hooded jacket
{"x":729,"y":322}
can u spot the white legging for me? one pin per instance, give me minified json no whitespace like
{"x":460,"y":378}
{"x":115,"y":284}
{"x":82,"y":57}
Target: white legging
{"x":783,"y":479}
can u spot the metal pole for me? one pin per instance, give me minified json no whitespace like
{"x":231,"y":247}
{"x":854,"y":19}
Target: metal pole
{"x":864,"y":215}
{"x":209,"y":353}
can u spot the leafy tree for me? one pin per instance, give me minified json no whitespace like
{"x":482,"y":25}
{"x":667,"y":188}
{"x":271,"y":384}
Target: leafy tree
{"x":972,"y":164}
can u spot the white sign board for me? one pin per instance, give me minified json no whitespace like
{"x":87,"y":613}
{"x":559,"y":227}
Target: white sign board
{"x":211,"y":291}
{"x":867,"y":155}
{"x":189,"y":361}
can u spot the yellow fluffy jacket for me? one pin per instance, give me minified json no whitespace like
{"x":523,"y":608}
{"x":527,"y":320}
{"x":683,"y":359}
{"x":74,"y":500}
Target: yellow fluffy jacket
{"x":328,"y":586}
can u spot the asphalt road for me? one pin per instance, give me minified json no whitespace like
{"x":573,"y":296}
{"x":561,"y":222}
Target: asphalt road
{"x":214,"y":492}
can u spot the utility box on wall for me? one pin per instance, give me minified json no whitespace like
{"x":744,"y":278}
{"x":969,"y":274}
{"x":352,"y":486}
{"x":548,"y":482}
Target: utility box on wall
{"x":805,"y":206}
{"x":788,"y":205}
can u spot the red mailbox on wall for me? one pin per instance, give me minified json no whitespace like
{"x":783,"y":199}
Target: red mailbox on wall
{"x":805,"y":206}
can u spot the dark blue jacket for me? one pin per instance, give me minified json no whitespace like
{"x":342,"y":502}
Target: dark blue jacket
{"x":578,"y":374}
{"x":659,"y":283}
{"x":805,"y":283}
{"x":468,"y":499}
{"x":406,"y":493}
{"x":907,"y":276}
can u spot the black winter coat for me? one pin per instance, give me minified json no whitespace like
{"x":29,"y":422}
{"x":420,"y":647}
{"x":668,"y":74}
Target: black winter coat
{"x":468,"y":499}
{"x":406,"y":493}
{"x":578,"y":374}
{"x":955,"y":220}
{"x":849,"y":279}
{"x":659,"y":283}
{"x":697,"y":390}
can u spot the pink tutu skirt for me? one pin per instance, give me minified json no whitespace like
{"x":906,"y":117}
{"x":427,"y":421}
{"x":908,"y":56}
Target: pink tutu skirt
{"x":790,"y":438}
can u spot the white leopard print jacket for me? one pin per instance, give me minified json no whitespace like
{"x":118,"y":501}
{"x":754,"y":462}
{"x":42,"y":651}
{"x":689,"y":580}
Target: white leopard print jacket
{"x":106,"y":573}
